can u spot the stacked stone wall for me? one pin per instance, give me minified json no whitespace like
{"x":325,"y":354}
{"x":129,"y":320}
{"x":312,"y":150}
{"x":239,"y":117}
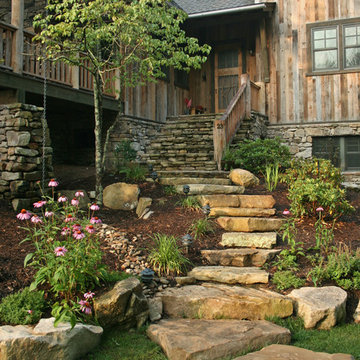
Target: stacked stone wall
{"x":21,"y":137}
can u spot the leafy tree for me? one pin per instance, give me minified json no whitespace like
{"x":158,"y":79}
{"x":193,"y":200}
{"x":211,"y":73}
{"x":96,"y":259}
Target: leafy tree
{"x":134,"y":39}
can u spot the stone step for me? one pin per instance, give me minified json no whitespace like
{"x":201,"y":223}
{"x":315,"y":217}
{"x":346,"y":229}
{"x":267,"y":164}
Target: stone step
{"x":239,"y":257}
{"x":264,"y":240}
{"x":249,"y":224}
{"x":194,"y":174}
{"x":243,"y":201}
{"x":230,"y":274}
{"x":219,"y":301}
{"x":196,"y":189}
{"x":233,"y":211}
{"x":189,"y":181}
{"x":185,"y":339}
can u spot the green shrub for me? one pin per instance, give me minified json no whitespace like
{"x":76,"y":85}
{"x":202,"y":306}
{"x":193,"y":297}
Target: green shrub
{"x":190,"y":202}
{"x":255,"y":155}
{"x":169,"y":190}
{"x":133,"y":172}
{"x":287,"y":279}
{"x":22,"y":308}
{"x":166,"y":256}
{"x":124,"y":153}
{"x":201,"y":227}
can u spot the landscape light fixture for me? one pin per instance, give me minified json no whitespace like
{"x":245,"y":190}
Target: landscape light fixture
{"x":206,"y":209}
{"x":154,"y":175}
{"x":147,"y":275}
{"x":186,"y":189}
{"x":187,"y":241}
{"x":151,"y":168}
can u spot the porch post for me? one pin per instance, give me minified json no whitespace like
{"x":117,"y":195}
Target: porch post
{"x":17,"y":19}
{"x":264,"y":51}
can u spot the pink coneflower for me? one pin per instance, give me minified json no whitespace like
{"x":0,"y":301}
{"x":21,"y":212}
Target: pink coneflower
{"x":76,"y":227}
{"x":29,"y":312}
{"x":23,"y":215}
{"x":53,"y":183}
{"x":62,"y":198}
{"x":39,"y":203}
{"x":65,"y":231}
{"x":286,"y":212}
{"x":60,"y":251}
{"x":75,"y":202}
{"x":319,"y":209}
{"x":49,"y":213}
{"x":69,"y":218}
{"x":90,"y":229}
{"x":79,"y":193}
{"x":94,"y":207}
{"x":35,"y":219}
{"x":95,"y":220}
{"x":78,"y":235}
{"x":85,"y":307}
{"x":89,"y":295}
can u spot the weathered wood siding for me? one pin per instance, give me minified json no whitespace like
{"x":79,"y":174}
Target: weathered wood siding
{"x":292,"y":96}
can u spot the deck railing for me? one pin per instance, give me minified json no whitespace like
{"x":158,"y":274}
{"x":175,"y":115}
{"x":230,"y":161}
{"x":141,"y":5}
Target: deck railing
{"x":225,"y":128}
{"x":6,"y":40}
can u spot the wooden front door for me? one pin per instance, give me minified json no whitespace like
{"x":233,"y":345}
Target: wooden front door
{"x":228,"y":68}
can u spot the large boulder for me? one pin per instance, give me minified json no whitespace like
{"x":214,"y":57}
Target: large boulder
{"x":124,"y":306}
{"x":45,"y":342}
{"x":243,"y":177}
{"x":121,"y":196}
{"x":320,"y":308}
{"x":185,"y":339}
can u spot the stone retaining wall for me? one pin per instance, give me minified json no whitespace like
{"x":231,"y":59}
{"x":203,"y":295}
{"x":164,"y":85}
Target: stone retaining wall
{"x":21,"y":152}
{"x":258,"y":127}
{"x":139,"y":132}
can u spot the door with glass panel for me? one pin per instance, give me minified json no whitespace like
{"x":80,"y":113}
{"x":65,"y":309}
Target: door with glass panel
{"x":228,"y":68}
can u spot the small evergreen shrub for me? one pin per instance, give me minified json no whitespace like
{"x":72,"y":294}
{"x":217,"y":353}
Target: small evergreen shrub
{"x":287,"y":279}
{"x":22,"y":308}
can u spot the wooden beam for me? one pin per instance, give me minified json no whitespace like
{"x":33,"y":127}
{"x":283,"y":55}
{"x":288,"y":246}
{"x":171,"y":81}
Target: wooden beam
{"x":17,"y":19}
{"x":264,"y":51}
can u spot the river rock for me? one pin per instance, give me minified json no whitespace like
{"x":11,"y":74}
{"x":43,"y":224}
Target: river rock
{"x":121,"y":196}
{"x":243,"y":177}
{"x":322,"y":307}
{"x":185,"y":339}
{"x":249,"y":224}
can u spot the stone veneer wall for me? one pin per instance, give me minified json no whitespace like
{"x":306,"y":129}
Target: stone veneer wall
{"x":258,"y":126}
{"x":139,"y":132}
{"x":21,"y":153}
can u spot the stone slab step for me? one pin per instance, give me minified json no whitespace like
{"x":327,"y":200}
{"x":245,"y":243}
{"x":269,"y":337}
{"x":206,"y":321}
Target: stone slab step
{"x":189,"y":181}
{"x":230,"y":274}
{"x":287,"y":352}
{"x":219,"y":301}
{"x":234,"y":211}
{"x":243,"y":201}
{"x":265,"y":240}
{"x":249,"y":224}
{"x":185,"y":339}
{"x":239,"y":257}
{"x":194,"y":173}
{"x":198,"y":189}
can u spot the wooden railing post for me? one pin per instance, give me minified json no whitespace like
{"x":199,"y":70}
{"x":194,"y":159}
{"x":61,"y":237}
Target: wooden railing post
{"x":245,"y":78}
{"x":17,"y":19}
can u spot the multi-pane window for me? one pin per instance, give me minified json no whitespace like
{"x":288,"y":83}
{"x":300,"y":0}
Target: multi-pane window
{"x":325,"y":48}
{"x":352,"y":46}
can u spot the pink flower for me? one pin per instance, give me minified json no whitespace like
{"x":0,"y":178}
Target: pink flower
{"x":85,"y":307}
{"x":75,"y":202}
{"x":35,"y":219}
{"x":65,"y":231}
{"x":69,"y":218}
{"x":95,"y":220}
{"x":76,"y":227}
{"x":62,"y":198}
{"x":89,"y":295}
{"x":319,"y":209}
{"x":29,"y":312}
{"x":94,"y":207}
{"x":90,"y":229}
{"x":60,"y":251}
{"x":286,"y":212}
{"x":49,"y":213}
{"x":79,"y":193}
{"x":23,"y":215}
{"x":78,"y":235}
{"x":53,"y":183}
{"x":39,"y":204}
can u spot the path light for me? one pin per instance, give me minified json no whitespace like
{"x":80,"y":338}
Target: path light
{"x":186,"y":189}
{"x":154,"y":175}
{"x":187,"y":241}
{"x":206,"y":209}
{"x":151,"y":168}
{"x":147,"y":276}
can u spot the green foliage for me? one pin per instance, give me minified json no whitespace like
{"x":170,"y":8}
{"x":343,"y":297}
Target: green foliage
{"x":201,"y":227}
{"x":287,"y":279}
{"x":190,"y":202}
{"x":314,"y":183}
{"x":324,"y":234}
{"x":166,"y":256}
{"x":169,"y":190}
{"x":255,"y":155}
{"x":271,"y":176}
{"x":22,"y":308}
{"x":286,"y":260}
{"x":133,"y":172}
{"x":111,"y":277}
{"x":124,"y":153}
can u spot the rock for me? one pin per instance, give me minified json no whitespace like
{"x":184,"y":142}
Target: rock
{"x":124,"y":306}
{"x":19,"y":204}
{"x":357,"y":314}
{"x":243,"y":201}
{"x":218,"y":301}
{"x":230,"y":274}
{"x":243,"y":239}
{"x":26,"y":152}
{"x":46,"y":342}
{"x":121,"y":196}
{"x":147,"y":215}
{"x":197,"y":189}
{"x":243,"y":177}
{"x":189,"y":181}
{"x":249,"y":224}
{"x":18,"y":138}
{"x":287,"y":352}
{"x":144,"y":202}
{"x":185,"y":339}
{"x":155,"y":309}
{"x":239,"y":257}
{"x":10,"y":176}
{"x":219,"y":200}
{"x":83,"y":201}
{"x":322,"y":307}
{"x":185,"y":280}
{"x":232,"y":211}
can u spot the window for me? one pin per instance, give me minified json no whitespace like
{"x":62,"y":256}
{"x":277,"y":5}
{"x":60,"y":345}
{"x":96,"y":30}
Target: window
{"x":334,"y":46}
{"x":181,"y":79}
{"x":343,"y":151}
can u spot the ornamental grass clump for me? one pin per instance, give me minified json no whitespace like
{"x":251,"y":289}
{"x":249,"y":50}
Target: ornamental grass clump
{"x":67,"y":256}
